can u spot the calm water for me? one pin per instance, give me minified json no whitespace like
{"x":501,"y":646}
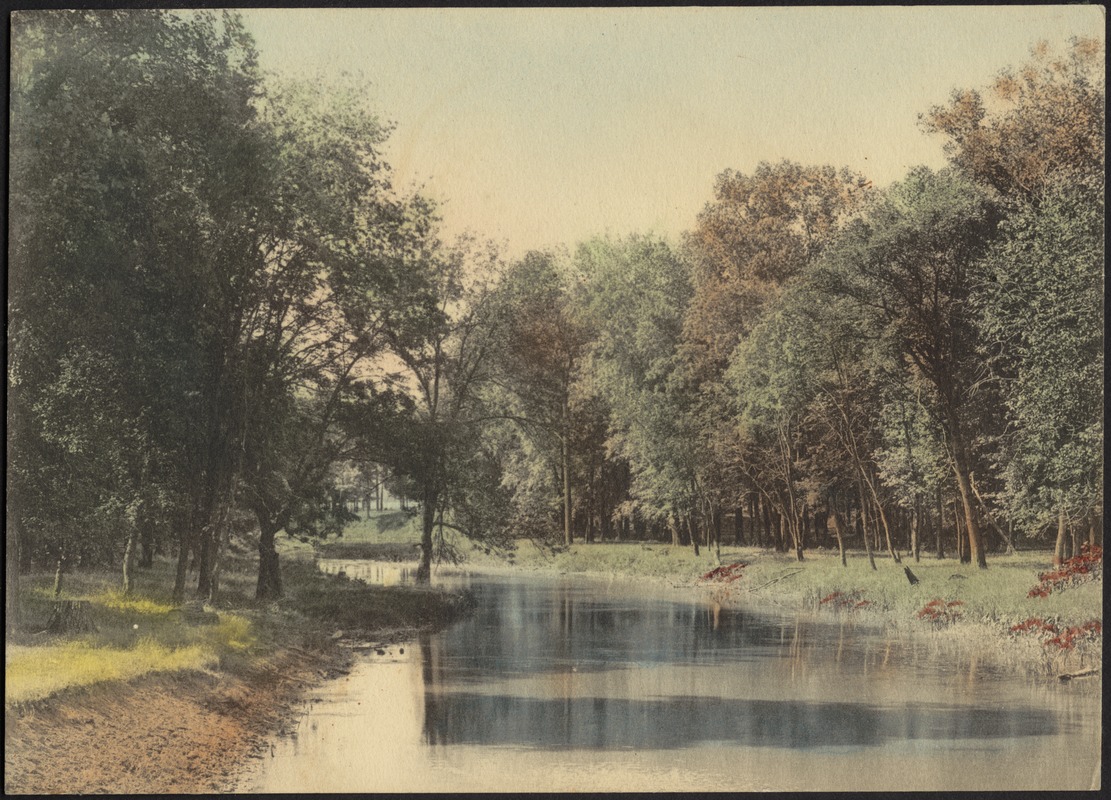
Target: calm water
{"x":563,"y":684}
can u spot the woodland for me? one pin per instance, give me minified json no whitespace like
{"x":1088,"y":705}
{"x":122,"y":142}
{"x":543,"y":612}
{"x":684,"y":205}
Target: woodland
{"x":227,"y":325}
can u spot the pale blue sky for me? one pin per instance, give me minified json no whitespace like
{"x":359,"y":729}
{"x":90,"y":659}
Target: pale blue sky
{"x":544,"y":126}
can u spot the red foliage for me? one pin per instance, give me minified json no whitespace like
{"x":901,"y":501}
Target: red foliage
{"x":727,"y":573}
{"x":848,"y":601}
{"x":1062,"y":638}
{"x":939,"y":612}
{"x":1088,"y":566}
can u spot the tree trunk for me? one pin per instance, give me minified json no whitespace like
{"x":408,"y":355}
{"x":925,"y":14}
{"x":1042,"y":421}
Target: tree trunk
{"x":839,"y":532}
{"x":428,"y":522}
{"x":1062,"y":532}
{"x":963,"y":554}
{"x":12,"y":606}
{"x":221,"y":537}
{"x":205,"y":547}
{"x":865,"y":523}
{"x":269,"y":586}
{"x":146,"y":545}
{"x":129,"y":559}
{"x":180,"y":574}
{"x":59,"y":570}
{"x":940,"y":524}
{"x":972,"y":526}
{"x":916,"y":515}
{"x":71,"y":616}
{"x":673,"y":524}
{"x":739,"y":525}
{"x":1095,"y":529}
{"x":867,"y":479}
{"x":565,"y":444}
{"x":692,"y":526}
{"x":715,"y":515}
{"x":796,"y":537}
{"x":804,"y":530}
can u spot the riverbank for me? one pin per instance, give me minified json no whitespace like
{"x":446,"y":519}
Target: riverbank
{"x":158,"y":700}
{"x":989,"y":613}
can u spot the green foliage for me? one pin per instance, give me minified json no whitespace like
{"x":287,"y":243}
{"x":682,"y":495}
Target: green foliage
{"x":1042,"y":310}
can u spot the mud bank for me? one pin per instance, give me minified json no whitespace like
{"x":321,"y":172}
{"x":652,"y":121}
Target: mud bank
{"x":185,"y":732}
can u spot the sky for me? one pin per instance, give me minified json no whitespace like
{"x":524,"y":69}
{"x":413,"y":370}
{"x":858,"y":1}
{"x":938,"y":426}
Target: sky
{"x":541,"y":127}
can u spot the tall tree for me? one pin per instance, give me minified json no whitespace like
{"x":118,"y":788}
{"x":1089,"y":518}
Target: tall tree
{"x":541,"y":346}
{"x":912,"y":261}
{"x":1040,"y":124}
{"x":131,"y":189}
{"x":1041,"y":306}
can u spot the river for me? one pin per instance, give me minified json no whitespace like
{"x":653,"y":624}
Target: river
{"x":564,"y":683}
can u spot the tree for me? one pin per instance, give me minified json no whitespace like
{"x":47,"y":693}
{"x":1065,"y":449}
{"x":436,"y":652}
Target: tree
{"x":1041,"y":309}
{"x":1037,"y":126}
{"x":912,"y":262}
{"x":634,"y":294}
{"x":541,"y":346}
{"x":760,"y":232}
{"x":119,"y":171}
{"x":441,"y":343}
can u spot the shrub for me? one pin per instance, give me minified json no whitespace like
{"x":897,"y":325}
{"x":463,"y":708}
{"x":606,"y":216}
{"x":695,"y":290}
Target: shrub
{"x":941,"y":613}
{"x":1088,"y":566}
{"x":1064,"y":638}
{"x":727,"y":573}
{"x":845,"y":601}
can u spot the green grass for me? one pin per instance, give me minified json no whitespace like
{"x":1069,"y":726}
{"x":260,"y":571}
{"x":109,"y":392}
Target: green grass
{"x":381,"y":536}
{"x":144,"y":633}
{"x":997,"y":593}
{"x":33,"y":673}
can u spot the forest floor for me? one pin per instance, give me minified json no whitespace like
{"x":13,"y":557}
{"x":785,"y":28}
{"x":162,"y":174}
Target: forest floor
{"x":158,"y":702}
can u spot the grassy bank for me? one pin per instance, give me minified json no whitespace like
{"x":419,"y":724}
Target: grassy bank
{"x":145,"y":633}
{"x":957,"y":602}
{"x":999,"y":594}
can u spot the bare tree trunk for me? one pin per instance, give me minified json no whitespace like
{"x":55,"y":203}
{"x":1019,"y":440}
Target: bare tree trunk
{"x":59,"y":570}
{"x":146,"y":544}
{"x":269,"y":586}
{"x":963,"y":554}
{"x":1095,"y":528}
{"x":915,"y":518}
{"x":865,"y":522}
{"x":673,"y":524}
{"x":715,"y":515}
{"x":839,"y":532}
{"x":129,"y":559}
{"x":692,"y":526}
{"x":940,"y":524}
{"x":991,"y":520}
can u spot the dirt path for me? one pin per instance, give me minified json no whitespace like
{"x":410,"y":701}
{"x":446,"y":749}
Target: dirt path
{"x":172,"y":733}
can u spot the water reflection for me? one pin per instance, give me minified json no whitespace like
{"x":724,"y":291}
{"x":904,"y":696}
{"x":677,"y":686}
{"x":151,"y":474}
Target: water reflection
{"x":676,"y":722}
{"x":521,"y":628}
{"x":659,"y":694}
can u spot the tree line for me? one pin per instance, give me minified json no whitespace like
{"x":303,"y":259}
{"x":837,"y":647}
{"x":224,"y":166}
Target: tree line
{"x":220,"y":309}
